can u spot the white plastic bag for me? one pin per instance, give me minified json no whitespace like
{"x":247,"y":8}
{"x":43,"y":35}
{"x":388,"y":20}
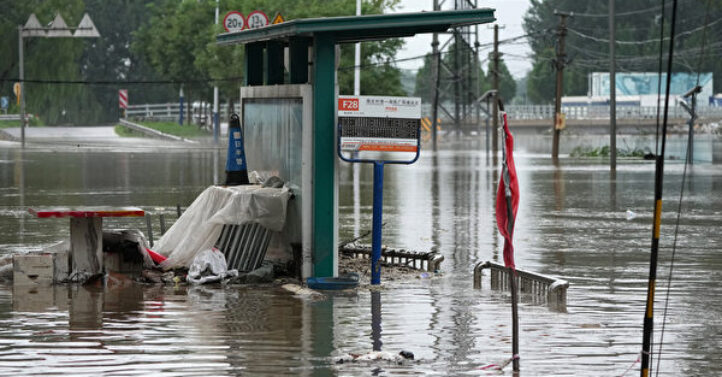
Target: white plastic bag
{"x":209,"y":266}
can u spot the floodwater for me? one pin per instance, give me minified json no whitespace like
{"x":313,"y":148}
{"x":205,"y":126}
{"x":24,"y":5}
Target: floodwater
{"x":572,"y":223}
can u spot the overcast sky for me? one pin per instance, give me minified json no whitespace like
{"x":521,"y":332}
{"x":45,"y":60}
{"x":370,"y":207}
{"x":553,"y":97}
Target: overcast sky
{"x":509,"y":15}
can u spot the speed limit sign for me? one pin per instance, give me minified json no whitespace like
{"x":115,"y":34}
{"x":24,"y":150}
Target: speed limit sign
{"x":234,"y":21}
{"x":257,"y":19}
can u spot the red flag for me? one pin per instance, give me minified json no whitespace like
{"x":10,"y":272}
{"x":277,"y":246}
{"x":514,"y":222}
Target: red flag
{"x":507,"y":197}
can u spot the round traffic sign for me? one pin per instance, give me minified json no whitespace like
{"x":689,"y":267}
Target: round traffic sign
{"x":257,"y":19}
{"x":234,"y":21}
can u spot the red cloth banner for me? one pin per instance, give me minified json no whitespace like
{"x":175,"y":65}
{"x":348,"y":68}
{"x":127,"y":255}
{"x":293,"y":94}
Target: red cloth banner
{"x":507,"y":197}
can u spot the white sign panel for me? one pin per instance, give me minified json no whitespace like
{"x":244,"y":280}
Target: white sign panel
{"x":379,"y":124}
{"x":378,"y":106}
{"x":257,"y":19}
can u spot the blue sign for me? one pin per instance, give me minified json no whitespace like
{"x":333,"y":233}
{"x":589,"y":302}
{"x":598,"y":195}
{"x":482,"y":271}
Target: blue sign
{"x":4,"y":102}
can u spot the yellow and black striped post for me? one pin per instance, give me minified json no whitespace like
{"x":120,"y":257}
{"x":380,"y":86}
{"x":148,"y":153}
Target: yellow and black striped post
{"x":658,"y":179}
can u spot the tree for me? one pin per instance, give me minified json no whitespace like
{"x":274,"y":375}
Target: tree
{"x":47,"y":59}
{"x":507,"y":84}
{"x":179,"y":43}
{"x":637,"y":21}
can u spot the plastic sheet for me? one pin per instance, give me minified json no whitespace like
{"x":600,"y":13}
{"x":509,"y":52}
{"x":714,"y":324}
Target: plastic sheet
{"x":201,"y":224}
{"x":209,"y":266}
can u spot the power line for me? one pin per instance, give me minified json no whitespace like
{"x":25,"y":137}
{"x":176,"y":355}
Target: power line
{"x":629,"y":13}
{"x":596,"y":39}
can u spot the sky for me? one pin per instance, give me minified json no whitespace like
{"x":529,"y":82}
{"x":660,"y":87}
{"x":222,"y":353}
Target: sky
{"x":509,"y":15}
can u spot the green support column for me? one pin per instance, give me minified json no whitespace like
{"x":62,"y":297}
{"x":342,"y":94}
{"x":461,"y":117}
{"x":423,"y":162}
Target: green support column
{"x":324,"y":154}
{"x":253,"y":64}
{"x":298,"y":59}
{"x":274,"y":63}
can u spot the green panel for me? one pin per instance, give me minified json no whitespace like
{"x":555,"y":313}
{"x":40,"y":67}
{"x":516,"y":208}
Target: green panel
{"x":298,"y":59}
{"x":324,"y":156}
{"x":369,"y":27}
{"x":253,"y":64}
{"x":274,"y":63}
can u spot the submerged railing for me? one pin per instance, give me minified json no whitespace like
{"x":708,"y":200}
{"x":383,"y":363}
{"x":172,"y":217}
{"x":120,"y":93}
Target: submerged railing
{"x":428,"y":261}
{"x":546,"y":289}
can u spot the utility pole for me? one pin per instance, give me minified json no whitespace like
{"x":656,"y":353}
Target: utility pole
{"x":216,"y":118}
{"x":436,"y":77}
{"x":560,"y":62}
{"x":357,"y":59}
{"x":612,"y":92}
{"x":21,"y":76}
{"x":495,"y":83}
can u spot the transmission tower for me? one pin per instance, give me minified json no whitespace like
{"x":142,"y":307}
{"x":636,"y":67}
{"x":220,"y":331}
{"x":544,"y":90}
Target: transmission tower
{"x":456,"y":65}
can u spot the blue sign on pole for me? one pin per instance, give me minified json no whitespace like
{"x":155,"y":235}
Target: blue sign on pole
{"x":371,"y":129}
{"x":4,"y":103}
{"x":236,"y":167}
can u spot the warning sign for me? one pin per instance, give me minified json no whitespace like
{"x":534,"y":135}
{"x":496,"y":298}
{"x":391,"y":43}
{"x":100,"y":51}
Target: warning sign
{"x":277,"y":19}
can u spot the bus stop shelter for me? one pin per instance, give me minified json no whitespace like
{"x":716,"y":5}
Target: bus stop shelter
{"x":299,"y":56}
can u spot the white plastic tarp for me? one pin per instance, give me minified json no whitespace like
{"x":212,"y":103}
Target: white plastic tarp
{"x":201,"y":224}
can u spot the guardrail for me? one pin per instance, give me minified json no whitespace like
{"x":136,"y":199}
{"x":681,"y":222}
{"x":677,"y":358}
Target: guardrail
{"x":170,"y":111}
{"x":14,"y":116}
{"x":546,"y":112}
{"x":542,"y":288}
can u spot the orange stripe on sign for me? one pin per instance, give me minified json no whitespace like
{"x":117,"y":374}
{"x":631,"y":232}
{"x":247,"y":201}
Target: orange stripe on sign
{"x":387,"y":148}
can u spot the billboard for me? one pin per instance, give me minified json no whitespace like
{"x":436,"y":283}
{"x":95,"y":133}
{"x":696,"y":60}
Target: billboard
{"x":645,"y":83}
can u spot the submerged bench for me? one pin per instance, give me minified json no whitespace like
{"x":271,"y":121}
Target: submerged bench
{"x":546,"y":289}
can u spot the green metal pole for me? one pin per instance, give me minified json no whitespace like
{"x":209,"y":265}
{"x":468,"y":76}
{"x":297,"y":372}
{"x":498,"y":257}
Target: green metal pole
{"x":324,"y":154}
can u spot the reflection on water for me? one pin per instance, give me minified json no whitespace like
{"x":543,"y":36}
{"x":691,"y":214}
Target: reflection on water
{"x":571,"y":223}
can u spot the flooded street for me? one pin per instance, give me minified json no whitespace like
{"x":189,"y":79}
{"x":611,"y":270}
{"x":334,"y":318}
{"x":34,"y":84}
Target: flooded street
{"x":572,"y":223}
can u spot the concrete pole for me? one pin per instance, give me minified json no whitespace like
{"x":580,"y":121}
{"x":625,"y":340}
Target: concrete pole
{"x":216,"y":118}
{"x":495,"y":104}
{"x":612,"y":92}
{"x":21,"y":75}
{"x":560,"y":62}
{"x":357,"y":60}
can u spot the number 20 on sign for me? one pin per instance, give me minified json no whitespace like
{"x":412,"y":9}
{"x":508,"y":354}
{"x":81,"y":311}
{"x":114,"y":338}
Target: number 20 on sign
{"x":234,"y":21}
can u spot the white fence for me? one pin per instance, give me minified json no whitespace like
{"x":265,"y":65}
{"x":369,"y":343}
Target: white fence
{"x":169,"y":111}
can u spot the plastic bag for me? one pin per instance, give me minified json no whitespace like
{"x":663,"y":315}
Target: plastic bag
{"x":209,"y":266}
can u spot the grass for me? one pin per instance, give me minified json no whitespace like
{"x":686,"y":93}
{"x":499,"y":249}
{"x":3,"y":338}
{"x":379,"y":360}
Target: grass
{"x":171,"y":128}
{"x":604,"y":152}
{"x":33,"y":122}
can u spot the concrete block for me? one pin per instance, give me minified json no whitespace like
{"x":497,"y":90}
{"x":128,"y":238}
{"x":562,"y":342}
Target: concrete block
{"x":33,"y":269}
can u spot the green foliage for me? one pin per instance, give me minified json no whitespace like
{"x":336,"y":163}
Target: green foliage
{"x":425,"y":75}
{"x":585,"y":55}
{"x":179,"y":43}
{"x":46,"y":59}
{"x":586,"y":152}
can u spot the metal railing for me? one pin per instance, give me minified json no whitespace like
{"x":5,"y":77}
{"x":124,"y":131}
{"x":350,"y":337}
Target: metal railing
{"x":542,"y":288}
{"x":244,"y":245}
{"x":428,"y":261}
{"x":170,"y":111}
{"x":546,"y":112}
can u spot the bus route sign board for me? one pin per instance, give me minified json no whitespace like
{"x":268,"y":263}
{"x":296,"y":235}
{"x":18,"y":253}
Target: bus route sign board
{"x":379,"y":124}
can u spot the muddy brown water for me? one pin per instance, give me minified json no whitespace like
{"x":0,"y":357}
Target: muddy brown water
{"x":572,"y":223}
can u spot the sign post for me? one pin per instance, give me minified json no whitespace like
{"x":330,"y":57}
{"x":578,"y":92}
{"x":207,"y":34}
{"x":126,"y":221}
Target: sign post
{"x":123,"y":102}
{"x":379,"y":130}
{"x":58,"y":29}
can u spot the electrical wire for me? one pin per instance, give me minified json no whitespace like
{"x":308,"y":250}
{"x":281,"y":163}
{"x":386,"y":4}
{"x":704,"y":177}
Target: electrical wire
{"x":596,"y":39}
{"x":679,"y":206}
